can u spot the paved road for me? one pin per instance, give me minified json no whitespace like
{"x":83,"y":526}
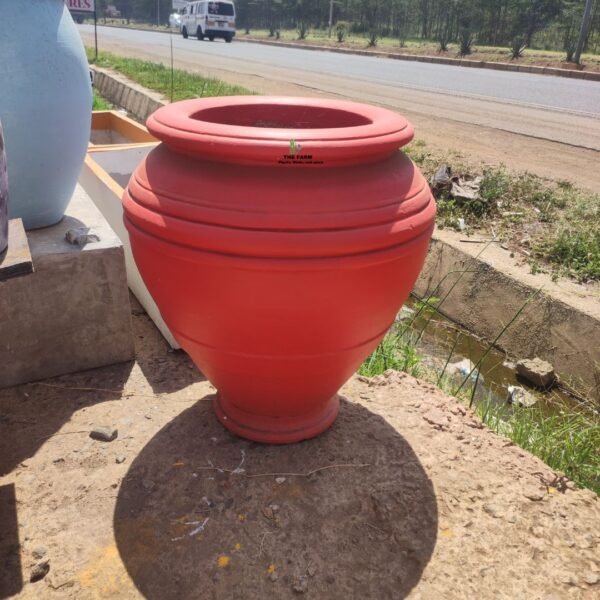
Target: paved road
{"x":477,"y":101}
{"x":524,"y":89}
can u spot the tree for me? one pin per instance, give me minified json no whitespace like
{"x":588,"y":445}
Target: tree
{"x":531,"y":16}
{"x":585,"y":26}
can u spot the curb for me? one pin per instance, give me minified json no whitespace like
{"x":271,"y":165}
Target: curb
{"x":440,"y":60}
{"x":119,"y":90}
{"x":552,"y":326}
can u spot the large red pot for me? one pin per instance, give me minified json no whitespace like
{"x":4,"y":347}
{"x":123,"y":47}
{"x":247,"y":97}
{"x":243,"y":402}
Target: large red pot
{"x":279,"y":237}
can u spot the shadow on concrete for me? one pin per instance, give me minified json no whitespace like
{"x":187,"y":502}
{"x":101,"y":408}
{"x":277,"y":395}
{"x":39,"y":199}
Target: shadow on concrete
{"x":11,"y":581}
{"x":186,"y":530}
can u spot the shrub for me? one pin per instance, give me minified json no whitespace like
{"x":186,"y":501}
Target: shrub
{"x":443,"y":40}
{"x":466,"y":42}
{"x":341,"y":30}
{"x":302,"y":30}
{"x":517,"y":47}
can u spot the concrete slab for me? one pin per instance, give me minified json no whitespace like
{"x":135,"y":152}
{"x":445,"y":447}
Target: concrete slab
{"x":71,"y":313}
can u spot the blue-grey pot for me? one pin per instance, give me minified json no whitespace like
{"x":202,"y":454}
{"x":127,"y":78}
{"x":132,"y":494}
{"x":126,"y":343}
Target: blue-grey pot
{"x":45,"y":107}
{"x":3,"y":196}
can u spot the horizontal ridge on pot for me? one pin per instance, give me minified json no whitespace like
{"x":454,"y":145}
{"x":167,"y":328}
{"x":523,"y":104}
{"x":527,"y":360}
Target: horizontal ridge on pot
{"x":292,"y":218}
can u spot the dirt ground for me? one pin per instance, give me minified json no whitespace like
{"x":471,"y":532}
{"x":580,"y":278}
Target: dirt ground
{"x":407,"y":495}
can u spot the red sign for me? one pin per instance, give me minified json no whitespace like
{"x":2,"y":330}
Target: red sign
{"x":80,"y":5}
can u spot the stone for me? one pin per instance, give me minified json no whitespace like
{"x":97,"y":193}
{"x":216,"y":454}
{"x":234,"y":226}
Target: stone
{"x":520,"y":397}
{"x":148,"y":484}
{"x":120,"y":459}
{"x":462,"y":369}
{"x":312,"y":570}
{"x":81,"y":236}
{"x":534,"y":496}
{"x":39,"y":552}
{"x":39,"y":571}
{"x":437,"y":418}
{"x":104,"y":433}
{"x":267,"y":511}
{"x":536,"y":371}
{"x":300,"y":585}
{"x":493,"y":510}
{"x":591,"y":577}
{"x":279,"y":480}
{"x":568,"y":579}
{"x":405,"y":314}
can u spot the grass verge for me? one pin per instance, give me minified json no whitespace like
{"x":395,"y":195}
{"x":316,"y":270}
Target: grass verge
{"x":417,"y":46}
{"x":552,"y":224}
{"x":157,"y":77}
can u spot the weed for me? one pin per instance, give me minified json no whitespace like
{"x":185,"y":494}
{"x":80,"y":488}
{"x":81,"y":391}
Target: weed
{"x":302,"y":30}
{"x":341,"y":30}
{"x":568,"y":440}
{"x":396,"y":351}
{"x":465,"y":42}
{"x":99,"y":103}
{"x":443,"y":40}
{"x":517,"y":47}
{"x":372,"y":38}
{"x":559,"y":224}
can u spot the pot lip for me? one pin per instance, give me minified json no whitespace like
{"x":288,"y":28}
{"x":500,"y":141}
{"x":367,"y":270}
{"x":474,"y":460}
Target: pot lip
{"x":179,"y":125}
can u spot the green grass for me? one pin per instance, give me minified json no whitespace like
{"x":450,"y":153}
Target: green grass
{"x":100,"y":103}
{"x":567,"y":441}
{"x":396,"y":351}
{"x":157,"y":77}
{"x":558,"y":223}
{"x":574,"y":241}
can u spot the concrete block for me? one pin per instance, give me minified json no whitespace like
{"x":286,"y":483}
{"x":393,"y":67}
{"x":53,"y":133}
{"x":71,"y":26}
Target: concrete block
{"x":71,"y":313}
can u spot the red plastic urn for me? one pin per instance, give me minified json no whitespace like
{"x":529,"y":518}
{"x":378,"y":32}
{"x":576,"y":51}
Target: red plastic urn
{"x":279,"y":237}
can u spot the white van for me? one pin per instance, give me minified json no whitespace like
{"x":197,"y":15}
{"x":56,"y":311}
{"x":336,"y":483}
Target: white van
{"x":209,"y":19}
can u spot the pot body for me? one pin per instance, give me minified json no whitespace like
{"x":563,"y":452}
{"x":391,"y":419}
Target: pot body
{"x":278,"y":280}
{"x":3,"y":195}
{"x":45,"y":107}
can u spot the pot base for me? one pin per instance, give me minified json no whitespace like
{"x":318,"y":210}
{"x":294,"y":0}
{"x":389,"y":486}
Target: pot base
{"x":275,"y":430}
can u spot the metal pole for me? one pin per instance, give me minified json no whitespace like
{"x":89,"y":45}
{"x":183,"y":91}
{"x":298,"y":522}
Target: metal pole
{"x":330,"y":16}
{"x":585,"y":25}
{"x":158,"y":13}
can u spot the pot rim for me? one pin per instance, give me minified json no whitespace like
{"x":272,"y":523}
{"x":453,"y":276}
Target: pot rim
{"x":367,"y":133}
